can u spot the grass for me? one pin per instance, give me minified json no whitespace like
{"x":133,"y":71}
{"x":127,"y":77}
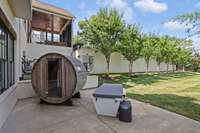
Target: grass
{"x":176,"y":92}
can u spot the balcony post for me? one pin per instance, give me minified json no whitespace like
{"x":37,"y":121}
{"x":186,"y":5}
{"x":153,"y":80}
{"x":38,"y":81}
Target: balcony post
{"x":52,"y":27}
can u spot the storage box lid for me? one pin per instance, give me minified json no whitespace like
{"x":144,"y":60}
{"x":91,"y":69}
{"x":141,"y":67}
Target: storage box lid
{"x":109,"y":91}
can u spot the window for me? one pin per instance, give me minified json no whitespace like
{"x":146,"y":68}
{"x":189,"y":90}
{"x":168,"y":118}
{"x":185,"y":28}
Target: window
{"x":45,"y":37}
{"x":6,"y":60}
{"x":49,"y":37}
{"x":56,"y":37}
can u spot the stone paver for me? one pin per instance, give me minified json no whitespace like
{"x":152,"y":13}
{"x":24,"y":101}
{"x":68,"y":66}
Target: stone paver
{"x":31,"y":117}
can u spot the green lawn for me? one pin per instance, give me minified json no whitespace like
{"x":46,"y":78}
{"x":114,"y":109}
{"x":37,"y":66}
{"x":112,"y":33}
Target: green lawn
{"x":176,"y":92}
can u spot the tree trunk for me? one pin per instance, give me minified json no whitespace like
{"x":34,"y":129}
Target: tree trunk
{"x":183,"y":69}
{"x":147,"y":67}
{"x":130,"y":68}
{"x":167,"y":67}
{"x":173,"y":68}
{"x":108,"y":66}
{"x":158,"y":68}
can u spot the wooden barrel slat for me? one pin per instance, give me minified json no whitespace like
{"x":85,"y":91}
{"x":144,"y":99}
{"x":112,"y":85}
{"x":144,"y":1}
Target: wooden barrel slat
{"x":56,"y":78}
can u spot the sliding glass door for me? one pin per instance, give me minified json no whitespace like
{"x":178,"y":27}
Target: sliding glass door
{"x":6,"y":59}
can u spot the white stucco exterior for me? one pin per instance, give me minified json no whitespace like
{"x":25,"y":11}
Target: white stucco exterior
{"x":118,"y":64}
{"x":9,"y":98}
{"x":35,"y":51}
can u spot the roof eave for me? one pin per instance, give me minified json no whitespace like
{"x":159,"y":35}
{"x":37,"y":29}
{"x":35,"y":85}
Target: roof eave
{"x":51,"y":9}
{"x":21,"y":8}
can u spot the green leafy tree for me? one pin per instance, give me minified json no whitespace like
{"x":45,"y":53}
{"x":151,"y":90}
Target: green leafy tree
{"x":158,"y":54}
{"x":131,"y":46}
{"x":169,"y":50}
{"x":176,"y":51}
{"x":184,"y":52}
{"x":184,"y":58}
{"x":191,"y":19}
{"x":148,"y":42}
{"x":103,"y":32}
{"x":165,"y":51}
{"x":78,"y":40}
{"x":195,"y":62}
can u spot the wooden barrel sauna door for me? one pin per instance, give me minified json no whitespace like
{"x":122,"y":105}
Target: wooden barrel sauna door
{"x":54,"y":78}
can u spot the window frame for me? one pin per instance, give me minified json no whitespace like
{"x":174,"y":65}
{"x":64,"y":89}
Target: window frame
{"x":7,"y":64}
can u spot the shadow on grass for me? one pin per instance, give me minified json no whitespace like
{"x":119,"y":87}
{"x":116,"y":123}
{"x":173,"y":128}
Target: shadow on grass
{"x":178,"y":104}
{"x":144,"y":79}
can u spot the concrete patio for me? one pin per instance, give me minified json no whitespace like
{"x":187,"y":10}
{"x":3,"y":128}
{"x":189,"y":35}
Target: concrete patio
{"x":29,"y":116}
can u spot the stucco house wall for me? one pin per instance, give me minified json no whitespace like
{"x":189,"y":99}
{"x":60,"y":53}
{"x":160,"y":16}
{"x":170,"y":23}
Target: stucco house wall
{"x":9,"y":98}
{"x":118,"y":64}
{"x":35,"y":51}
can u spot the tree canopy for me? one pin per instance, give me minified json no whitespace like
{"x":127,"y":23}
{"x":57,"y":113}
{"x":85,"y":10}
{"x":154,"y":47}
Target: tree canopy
{"x":106,"y":32}
{"x":103,"y":31}
{"x":148,"y":42}
{"x":130,"y":45}
{"x":158,"y":51}
{"x":192,"y":19}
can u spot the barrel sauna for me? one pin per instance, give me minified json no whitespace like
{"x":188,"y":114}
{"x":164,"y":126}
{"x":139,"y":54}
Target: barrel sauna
{"x":56,"y":78}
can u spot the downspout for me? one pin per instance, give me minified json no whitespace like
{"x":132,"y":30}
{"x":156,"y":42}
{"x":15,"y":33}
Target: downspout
{"x":72,"y":52}
{"x":19,"y":52}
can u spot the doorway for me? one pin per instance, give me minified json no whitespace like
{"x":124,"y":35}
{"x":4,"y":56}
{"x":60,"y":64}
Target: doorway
{"x":54,"y":78}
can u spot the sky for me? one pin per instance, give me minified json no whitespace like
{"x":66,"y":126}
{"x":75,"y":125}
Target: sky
{"x":151,"y":15}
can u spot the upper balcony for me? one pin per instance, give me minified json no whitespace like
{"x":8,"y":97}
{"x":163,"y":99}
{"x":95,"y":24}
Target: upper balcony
{"x":50,"y":25}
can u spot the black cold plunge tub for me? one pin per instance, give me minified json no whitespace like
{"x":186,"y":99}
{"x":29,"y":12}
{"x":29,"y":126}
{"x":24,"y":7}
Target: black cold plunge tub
{"x":125,"y":111}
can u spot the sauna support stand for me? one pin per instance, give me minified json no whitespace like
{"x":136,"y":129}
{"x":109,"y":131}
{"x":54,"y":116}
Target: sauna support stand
{"x":77,"y":95}
{"x":66,"y":103}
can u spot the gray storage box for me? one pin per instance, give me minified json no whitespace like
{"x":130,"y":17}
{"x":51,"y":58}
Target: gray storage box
{"x":107,"y":98}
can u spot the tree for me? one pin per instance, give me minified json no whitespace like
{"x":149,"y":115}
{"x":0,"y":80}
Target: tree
{"x":130,"y":46}
{"x":158,"y":54}
{"x":184,"y":53}
{"x":103,"y":32}
{"x":195,"y":62}
{"x":165,"y":50}
{"x":148,"y":42}
{"x":184,"y":58}
{"x":176,"y":51}
{"x":191,"y":19}
{"x":78,"y":40}
{"x":169,"y":50}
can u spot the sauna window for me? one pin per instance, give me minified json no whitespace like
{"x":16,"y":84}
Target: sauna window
{"x":54,"y":78}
